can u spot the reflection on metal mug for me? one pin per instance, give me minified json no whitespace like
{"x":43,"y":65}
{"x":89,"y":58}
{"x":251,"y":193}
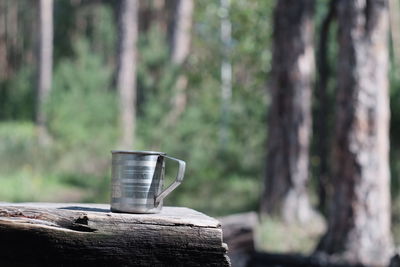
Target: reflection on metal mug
{"x":137,"y":181}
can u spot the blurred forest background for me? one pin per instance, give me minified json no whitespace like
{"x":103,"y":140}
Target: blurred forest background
{"x":82,"y":105}
{"x":200,"y":93}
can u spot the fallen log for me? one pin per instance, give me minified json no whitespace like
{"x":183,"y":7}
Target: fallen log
{"x":51,"y":234}
{"x":238,"y":233}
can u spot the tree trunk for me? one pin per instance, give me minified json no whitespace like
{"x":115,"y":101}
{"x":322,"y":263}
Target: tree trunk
{"x":182,"y":31}
{"x":289,"y":121}
{"x":159,"y":15}
{"x":323,"y":111}
{"x":51,"y":234}
{"x":45,"y":66}
{"x":126,"y":76}
{"x":359,"y":221}
{"x":226,"y":71}
{"x":3,"y":41}
{"x":395,"y":30}
{"x":12,"y":25}
{"x":180,"y":48}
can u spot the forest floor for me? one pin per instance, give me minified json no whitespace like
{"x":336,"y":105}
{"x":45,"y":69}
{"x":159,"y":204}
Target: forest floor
{"x":275,"y":236}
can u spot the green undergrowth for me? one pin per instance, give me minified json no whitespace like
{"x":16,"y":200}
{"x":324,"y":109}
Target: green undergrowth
{"x":274,"y":235}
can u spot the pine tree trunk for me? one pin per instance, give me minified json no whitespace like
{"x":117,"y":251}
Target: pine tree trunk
{"x":45,"y":66}
{"x":180,"y":48}
{"x":359,"y":221}
{"x":126,"y":76}
{"x":3,"y":41}
{"x":322,"y":113}
{"x":289,"y":121}
{"x":159,"y":15}
{"x":395,"y":30}
{"x":182,"y":31}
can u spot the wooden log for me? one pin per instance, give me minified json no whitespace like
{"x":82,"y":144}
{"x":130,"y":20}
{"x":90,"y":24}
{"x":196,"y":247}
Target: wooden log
{"x":238,"y":233}
{"x":50,"y":234}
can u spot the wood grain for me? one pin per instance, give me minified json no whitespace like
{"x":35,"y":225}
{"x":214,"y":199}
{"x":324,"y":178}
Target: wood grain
{"x":76,"y":234}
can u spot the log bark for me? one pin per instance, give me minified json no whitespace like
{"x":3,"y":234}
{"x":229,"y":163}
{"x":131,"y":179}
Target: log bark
{"x":289,"y":121}
{"x":359,"y":219}
{"x":50,"y":234}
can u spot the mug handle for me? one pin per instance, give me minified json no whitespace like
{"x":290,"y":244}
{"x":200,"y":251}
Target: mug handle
{"x":178,"y":179}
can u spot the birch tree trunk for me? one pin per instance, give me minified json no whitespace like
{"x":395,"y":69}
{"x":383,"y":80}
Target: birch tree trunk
{"x":45,"y":66}
{"x":289,"y":121}
{"x":180,"y":48}
{"x":359,"y":221}
{"x":126,"y":75}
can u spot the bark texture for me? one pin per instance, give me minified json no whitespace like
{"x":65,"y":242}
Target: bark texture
{"x":126,"y":75}
{"x":3,"y":41}
{"x":180,"y":47}
{"x":359,"y":221}
{"x":45,"y":66}
{"x":44,"y":234}
{"x":289,"y":121}
{"x":160,"y":15}
{"x":182,"y":31}
{"x":395,"y":30}
{"x":323,"y":116}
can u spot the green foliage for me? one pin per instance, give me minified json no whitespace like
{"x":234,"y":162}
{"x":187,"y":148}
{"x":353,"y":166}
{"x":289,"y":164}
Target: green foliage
{"x":82,"y":106}
{"x":18,"y":96}
{"x":17,"y":143}
{"x":226,"y":177}
{"x":83,"y":119}
{"x":275,"y":235}
{"x":155,"y":77}
{"x":94,"y":21}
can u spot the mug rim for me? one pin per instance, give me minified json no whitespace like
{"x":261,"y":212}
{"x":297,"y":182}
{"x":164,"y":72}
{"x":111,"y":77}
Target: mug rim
{"x":139,"y":152}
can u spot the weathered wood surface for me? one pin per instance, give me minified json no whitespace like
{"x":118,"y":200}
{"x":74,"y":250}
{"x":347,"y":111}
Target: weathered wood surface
{"x":76,"y":234}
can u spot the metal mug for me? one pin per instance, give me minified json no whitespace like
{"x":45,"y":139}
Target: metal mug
{"x":138,"y":180}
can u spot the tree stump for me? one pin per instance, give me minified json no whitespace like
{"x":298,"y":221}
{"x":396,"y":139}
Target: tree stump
{"x":75,"y":234}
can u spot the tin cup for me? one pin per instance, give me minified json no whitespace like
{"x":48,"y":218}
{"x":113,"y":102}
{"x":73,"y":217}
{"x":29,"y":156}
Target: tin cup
{"x":138,"y":180}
